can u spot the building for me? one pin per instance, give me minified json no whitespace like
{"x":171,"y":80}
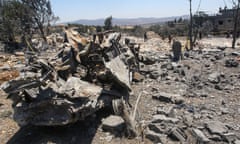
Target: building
{"x":221,"y":23}
{"x":224,"y":21}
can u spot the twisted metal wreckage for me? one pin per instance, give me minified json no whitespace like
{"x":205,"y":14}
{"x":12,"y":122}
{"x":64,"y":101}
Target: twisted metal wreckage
{"x":84,"y":76}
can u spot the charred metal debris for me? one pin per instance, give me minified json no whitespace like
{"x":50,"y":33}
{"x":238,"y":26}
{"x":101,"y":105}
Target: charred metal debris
{"x":83,"y":77}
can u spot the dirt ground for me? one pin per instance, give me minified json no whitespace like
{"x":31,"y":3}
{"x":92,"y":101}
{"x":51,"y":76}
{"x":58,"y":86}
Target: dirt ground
{"x":209,"y":104}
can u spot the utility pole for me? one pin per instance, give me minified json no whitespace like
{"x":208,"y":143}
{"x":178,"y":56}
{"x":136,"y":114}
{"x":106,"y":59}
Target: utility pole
{"x":191,"y":26}
{"x":235,"y":28}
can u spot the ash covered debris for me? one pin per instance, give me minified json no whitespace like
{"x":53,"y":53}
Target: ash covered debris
{"x":84,"y":76}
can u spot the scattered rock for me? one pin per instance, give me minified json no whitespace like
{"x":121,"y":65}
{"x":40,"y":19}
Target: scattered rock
{"x":224,"y":110}
{"x":214,"y":78}
{"x":231,"y":63}
{"x":155,"y":74}
{"x":216,"y":138}
{"x":166,"y":110}
{"x":113,"y":124}
{"x":169,"y":98}
{"x":235,"y":53}
{"x":5,"y":113}
{"x":216,"y":127}
{"x":19,"y":67}
{"x":153,"y":136}
{"x":229,"y":137}
{"x":162,"y":118}
{"x":167,"y":66}
{"x":137,"y":77}
{"x":5,"y":67}
{"x":19,"y":53}
{"x":237,"y":142}
{"x":160,"y":127}
{"x":178,"y":134}
{"x":200,"y":136}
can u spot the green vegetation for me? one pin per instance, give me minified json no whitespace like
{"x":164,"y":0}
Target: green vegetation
{"x":21,"y":19}
{"x":108,"y":23}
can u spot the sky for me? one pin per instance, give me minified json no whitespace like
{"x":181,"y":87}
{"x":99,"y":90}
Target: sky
{"x":71,"y":10}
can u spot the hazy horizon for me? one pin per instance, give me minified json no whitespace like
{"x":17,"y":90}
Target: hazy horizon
{"x":97,"y":9}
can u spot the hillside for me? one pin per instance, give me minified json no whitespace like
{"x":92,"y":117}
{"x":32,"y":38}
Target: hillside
{"x":128,"y":21}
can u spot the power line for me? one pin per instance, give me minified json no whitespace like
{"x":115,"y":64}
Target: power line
{"x":199,"y":4}
{"x":225,"y":4}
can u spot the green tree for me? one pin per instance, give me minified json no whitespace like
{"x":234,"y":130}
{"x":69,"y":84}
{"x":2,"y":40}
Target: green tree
{"x":236,"y":21}
{"x":108,"y":23}
{"x":23,"y":17}
{"x":41,"y":13}
{"x":15,"y":21}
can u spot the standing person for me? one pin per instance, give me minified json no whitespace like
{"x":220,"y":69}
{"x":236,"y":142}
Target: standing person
{"x":145,"y":36}
{"x":169,"y":38}
{"x":177,"y":50}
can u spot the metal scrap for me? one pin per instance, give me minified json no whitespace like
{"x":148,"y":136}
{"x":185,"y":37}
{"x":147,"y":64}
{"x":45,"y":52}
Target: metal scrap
{"x":84,"y":76}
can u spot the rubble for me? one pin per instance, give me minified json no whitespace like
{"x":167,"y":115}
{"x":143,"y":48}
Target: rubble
{"x":166,"y":110}
{"x":168,"y":97}
{"x":214,"y":78}
{"x":8,"y":75}
{"x":160,"y":127}
{"x":216,"y":127}
{"x":162,"y":118}
{"x":237,"y":142}
{"x":83,"y":77}
{"x":154,"y":137}
{"x":201,"y":138}
{"x":178,"y":134}
{"x":231,"y":63}
{"x":113,"y":124}
{"x":192,"y":101}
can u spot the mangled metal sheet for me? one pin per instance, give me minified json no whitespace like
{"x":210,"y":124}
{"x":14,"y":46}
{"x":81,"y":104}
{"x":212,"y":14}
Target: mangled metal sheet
{"x":119,"y":71}
{"x":83,"y":77}
{"x":74,"y":88}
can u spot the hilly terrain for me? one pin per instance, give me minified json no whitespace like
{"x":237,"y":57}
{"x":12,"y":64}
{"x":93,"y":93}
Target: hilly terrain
{"x":128,"y":21}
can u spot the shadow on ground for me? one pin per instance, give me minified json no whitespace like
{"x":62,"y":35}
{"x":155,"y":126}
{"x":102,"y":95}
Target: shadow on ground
{"x":82,"y":132}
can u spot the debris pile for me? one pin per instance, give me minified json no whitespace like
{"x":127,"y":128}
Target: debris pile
{"x":83,"y":77}
{"x":9,"y":66}
{"x":195,"y":98}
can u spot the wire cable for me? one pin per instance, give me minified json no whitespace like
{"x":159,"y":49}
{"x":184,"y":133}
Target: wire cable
{"x":199,"y":5}
{"x":225,"y":4}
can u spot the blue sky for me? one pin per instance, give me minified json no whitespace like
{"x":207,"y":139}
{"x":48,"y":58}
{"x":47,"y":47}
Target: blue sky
{"x":70,"y":10}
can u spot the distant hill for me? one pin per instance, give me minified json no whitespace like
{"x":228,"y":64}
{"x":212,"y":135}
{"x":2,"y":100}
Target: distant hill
{"x":128,"y":21}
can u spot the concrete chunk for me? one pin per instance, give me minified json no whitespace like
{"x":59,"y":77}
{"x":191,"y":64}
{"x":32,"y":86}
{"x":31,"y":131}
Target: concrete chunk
{"x":178,"y":134}
{"x":237,"y":142}
{"x":168,"y":111}
{"x":200,"y":136}
{"x":169,"y":98}
{"x":216,"y":127}
{"x":162,"y":118}
{"x":159,"y":128}
{"x":113,"y":124}
{"x":154,"y":137}
{"x":214,"y":78}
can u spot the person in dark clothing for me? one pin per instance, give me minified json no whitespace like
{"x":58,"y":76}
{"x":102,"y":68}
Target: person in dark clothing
{"x":169,"y":39}
{"x":177,"y":50}
{"x":145,"y":37}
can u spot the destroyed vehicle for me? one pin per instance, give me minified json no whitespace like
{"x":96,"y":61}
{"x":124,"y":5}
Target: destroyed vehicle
{"x":81,"y":79}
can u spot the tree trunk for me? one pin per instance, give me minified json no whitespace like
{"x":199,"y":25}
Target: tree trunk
{"x":235,"y":29}
{"x":41,"y":28}
{"x":191,"y":26}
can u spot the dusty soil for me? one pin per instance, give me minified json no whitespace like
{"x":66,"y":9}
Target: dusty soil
{"x":203,"y":101}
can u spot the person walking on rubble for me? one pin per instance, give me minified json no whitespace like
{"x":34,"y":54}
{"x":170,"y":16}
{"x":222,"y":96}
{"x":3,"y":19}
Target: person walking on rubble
{"x":177,"y":50}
